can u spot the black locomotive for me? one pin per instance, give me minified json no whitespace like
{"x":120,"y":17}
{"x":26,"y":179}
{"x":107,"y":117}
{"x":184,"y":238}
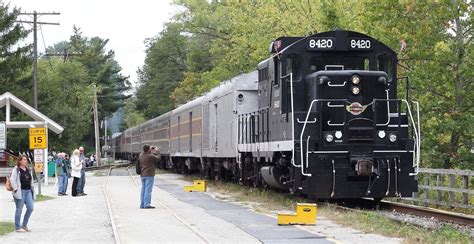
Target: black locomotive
{"x":319,"y":117}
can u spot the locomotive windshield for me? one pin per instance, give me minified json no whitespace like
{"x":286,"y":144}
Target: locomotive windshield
{"x":324,"y":61}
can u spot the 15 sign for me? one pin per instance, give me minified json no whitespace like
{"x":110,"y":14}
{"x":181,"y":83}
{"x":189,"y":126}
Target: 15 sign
{"x":38,"y":138}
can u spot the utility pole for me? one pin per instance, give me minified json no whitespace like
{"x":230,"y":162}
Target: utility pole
{"x":96,"y":128}
{"x":35,"y":48}
{"x":105,"y":137}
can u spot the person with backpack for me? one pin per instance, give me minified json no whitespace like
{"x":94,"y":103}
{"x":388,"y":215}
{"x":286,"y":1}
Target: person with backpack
{"x":146,"y":168}
{"x":23,"y":192}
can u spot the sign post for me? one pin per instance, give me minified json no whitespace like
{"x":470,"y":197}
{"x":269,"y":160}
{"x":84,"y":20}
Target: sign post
{"x":38,"y":142}
{"x":3,"y":136}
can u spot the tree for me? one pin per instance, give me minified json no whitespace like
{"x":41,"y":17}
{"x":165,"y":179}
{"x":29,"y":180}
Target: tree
{"x":15,"y":70}
{"x":164,"y":68}
{"x":65,"y":98}
{"x":132,"y":116}
{"x":439,"y":59}
{"x":103,"y":70}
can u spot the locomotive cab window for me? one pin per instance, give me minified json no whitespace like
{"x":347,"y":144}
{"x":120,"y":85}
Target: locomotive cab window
{"x":292,"y":64}
{"x":318,"y":63}
{"x":356,"y":63}
{"x":384,"y":63}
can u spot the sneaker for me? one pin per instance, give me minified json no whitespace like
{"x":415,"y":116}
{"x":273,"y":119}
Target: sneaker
{"x":26,"y":229}
{"x":20,"y":230}
{"x":149,"y":207}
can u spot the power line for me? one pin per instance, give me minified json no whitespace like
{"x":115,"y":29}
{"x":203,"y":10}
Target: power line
{"x":35,"y":46}
{"x":45,"y":49}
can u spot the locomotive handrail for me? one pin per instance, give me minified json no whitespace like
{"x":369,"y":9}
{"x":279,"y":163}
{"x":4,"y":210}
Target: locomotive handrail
{"x":388,"y":111}
{"x":337,"y":85}
{"x":416,"y":130}
{"x":330,"y":124}
{"x":335,"y":105}
{"x":304,"y":128}
{"x":293,"y":124}
{"x":309,"y":122}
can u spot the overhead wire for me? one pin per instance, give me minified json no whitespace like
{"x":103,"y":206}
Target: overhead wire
{"x":45,"y":50}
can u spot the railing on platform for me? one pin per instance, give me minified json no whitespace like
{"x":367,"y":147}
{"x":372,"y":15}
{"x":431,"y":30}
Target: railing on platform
{"x":445,"y":187}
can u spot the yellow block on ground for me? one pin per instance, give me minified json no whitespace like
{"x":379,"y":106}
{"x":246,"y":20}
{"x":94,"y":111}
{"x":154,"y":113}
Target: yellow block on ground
{"x":199,"y":185}
{"x":305,"y":215}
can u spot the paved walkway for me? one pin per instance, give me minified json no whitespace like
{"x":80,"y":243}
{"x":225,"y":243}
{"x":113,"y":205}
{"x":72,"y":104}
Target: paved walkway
{"x":171,"y":221}
{"x":63,"y":219}
{"x":179,"y":217}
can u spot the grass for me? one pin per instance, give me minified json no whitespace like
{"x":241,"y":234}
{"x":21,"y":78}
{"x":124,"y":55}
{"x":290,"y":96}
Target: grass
{"x":6,"y":227}
{"x":270,"y":201}
{"x":372,"y":222}
{"x":42,"y":198}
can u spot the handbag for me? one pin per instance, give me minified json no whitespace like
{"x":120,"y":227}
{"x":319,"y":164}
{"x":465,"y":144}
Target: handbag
{"x":8,"y":185}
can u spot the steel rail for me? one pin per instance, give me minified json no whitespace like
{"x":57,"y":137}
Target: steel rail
{"x":441,"y":215}
{"x":109,"y":207}
{"x":204,"y":239}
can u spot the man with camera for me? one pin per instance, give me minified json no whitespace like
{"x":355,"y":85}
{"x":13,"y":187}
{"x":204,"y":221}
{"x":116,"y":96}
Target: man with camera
{"x":148,"y":160}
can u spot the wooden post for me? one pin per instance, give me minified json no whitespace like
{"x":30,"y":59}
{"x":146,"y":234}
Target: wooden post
{"x":439,"y":182}
{"x":452,"y":184}
{"x":415,"y":198}
{"x":465,"y":184}
{"x":427,"y":191}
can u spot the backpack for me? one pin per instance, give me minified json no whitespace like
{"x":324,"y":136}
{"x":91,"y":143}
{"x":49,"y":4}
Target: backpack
{"x":137,"y":167}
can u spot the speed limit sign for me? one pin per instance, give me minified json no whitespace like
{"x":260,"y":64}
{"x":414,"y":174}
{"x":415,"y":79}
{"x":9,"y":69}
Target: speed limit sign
{"x":38,"y":138}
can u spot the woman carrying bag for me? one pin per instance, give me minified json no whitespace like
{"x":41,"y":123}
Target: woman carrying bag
{"x":23,"y":192}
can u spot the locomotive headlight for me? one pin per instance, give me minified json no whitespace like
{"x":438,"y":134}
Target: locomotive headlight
{"x":355,"y":90}
{"x":329,"y":137}
{"x":382,"y":134}
{"x":393,"y":138}
{"x":355,"y":80}
{"x":338,"y":134}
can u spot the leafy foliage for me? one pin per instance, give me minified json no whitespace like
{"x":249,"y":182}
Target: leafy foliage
{"x":210,"y":41}
{"x":66,"y":98}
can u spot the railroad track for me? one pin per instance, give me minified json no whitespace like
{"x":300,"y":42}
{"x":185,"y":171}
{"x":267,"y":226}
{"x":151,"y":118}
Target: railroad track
{"x":107,"y":166}
{"x":445,"y":216}
{"x":110,"y":210}
{"x":189,"y":226}
{"x":429,"y":213}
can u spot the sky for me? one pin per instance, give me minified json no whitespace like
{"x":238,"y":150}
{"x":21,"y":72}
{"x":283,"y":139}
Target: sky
{"x":125,"y":23}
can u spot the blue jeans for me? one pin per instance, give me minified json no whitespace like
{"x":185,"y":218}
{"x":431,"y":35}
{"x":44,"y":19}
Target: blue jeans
{"x":147,"y":187}
{"x":26,"y":199}
{"x":62,"y":183}
{"x":82,"y":182}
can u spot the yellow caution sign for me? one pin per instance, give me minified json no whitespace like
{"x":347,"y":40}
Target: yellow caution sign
{"x":38,"y":138}
{"x":305,"y":215}
{"x":199,"y":185}
{"x":38,"y":167}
